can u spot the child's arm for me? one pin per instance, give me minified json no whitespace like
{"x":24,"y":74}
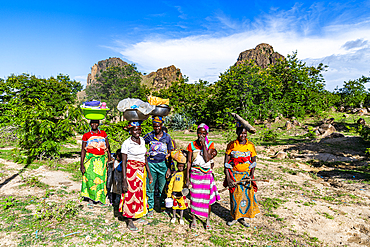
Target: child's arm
{"x":170,"y":187}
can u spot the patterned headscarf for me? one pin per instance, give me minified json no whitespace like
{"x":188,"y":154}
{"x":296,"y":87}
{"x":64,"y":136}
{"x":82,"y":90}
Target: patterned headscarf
{"x":135,"y":124}
{"x":157,"y":119}
{"x":203,"y":125}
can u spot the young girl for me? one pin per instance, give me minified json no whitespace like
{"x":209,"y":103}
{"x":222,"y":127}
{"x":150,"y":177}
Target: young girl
{"x":117,"y":177}
{"x":177,"y":184}
{"x":175,"y":187}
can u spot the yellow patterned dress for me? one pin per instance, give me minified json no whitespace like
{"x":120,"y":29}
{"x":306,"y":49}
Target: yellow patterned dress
{"x":243,"y":203}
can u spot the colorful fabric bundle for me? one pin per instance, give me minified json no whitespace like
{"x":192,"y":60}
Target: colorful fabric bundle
{"x":135,"y":124}
{"x":158,"y":101}
{"x":178,"y":156}
{"x":158,"y":119}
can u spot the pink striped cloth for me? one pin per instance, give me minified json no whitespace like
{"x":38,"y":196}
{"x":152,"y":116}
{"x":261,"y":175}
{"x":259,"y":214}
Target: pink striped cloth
{"x":203,"y":192}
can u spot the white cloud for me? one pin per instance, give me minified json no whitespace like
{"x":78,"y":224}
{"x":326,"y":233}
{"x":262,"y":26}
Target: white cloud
{"x":206,"y":56}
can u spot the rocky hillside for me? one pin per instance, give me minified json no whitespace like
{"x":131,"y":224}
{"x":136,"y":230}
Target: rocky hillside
{"x":263,"y":55}
{"x":101,"y":66}
{"x":162,"y":78}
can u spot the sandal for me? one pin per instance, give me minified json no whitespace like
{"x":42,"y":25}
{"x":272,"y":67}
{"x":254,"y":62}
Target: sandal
{"x":193,"y":225}
{"x":141,"y":221}
{"x":133,"y":228}
{"x":230,"y":223}
{"x":208,"y":227}
{"x":150,"y":215}
{"x":244,"y":223}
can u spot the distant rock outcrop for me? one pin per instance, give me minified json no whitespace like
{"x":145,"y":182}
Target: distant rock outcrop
{"x":263,"y":55}
{"x":101,"y":66}
{"x":162,"y":78}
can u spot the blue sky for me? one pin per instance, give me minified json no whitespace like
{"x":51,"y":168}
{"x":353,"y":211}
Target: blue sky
{"x":202,"y":38}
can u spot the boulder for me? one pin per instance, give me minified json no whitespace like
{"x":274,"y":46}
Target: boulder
{"x":363,"y":110}
{"x":277,"y":119}
{"x":329,"y":129}
{"x":342,"y":109}
{"x":281,"y":155}
{"x":288,"y":125}
{"x":361,"y":121}
{"x":333,"y":109}
{"x":335,"y":135}
{"x":328,"y":121}
{"x":296,"y":123}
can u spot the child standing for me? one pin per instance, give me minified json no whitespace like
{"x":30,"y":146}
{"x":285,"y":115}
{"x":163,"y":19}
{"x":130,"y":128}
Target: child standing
{"x":175,"y":187}
{"x":117,"y":177}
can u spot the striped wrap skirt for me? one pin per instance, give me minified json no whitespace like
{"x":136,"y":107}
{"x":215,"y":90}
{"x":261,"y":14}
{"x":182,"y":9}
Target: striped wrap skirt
{"x":203,"y":192}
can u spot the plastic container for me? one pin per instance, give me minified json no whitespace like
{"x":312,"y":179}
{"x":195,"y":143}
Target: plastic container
{"x":169,"y":202}
{"x":94,"y":114}
{"x":92,"y":103}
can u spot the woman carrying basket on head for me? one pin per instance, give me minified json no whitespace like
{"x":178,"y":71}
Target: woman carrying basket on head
{"x":135,"y":169}
{"x":95,"y":154}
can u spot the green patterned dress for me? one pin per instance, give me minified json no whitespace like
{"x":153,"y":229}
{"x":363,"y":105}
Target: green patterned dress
{"x":95,"y":177}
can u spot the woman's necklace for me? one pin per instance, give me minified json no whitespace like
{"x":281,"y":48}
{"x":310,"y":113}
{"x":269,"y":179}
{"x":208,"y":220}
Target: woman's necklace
{"x":137,"y":140}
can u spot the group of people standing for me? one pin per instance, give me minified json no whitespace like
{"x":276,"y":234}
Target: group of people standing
{"x":143,"y":167}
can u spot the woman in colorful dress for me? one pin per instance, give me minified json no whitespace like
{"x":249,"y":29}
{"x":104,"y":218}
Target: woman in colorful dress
{"x":240,"y":162}
{"x":135,"y":169}
{"x":95,"y":154}
{"x":203,"y":192}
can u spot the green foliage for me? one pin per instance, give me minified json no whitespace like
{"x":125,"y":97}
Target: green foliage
{"x":57,"y":211}
{"x":192,"y":100}
{"x":363,"y":131}
{"x":43,"y":111}
{"x":353,"y":93}
{"x":7,"y":202}
{"x":179,"y":121}
{"x":116,"y":84}
{"x":311,"y":133}
{"x":34,"y":182}
{"x":268,"y":135}
{"x":289,"y":87}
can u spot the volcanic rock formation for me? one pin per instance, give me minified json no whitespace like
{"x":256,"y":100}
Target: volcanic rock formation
{"x":162,"y":78}
{"x":263,"y":55}
{"x":101,"y":66}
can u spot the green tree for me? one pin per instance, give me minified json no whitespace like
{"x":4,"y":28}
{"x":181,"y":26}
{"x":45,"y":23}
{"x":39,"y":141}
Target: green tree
{"x":302,"y":87}
{"x":43,"y":112}
{"x":116,"y":84}
{"x":353,"y":93}
{"x":190,"y":99}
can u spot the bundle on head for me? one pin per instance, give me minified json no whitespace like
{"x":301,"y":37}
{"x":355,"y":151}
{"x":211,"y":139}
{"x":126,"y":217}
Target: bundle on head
{"x":244,"y":122}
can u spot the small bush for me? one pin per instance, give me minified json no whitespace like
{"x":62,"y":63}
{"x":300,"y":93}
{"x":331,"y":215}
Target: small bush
{"x":179,"y":122}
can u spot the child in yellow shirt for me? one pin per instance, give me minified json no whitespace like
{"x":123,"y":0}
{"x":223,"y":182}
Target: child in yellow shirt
{"x":175,"y":187}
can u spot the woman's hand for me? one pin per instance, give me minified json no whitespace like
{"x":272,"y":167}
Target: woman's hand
{"x":82,"y":169}
{"x":168,"y":173}
{"x":230,"y":182}
{"x":202,"y":141}
{"x":124,"y":186}
{"x":187,"y":183}
{"x":150,"y":178}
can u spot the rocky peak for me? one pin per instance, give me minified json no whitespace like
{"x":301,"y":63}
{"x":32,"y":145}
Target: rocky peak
{"x":263,"y":55}
{"x":162,"y":78}
{"x":101,"y":66}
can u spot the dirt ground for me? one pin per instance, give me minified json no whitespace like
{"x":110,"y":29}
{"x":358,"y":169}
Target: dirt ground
{"x":307,"y":201}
